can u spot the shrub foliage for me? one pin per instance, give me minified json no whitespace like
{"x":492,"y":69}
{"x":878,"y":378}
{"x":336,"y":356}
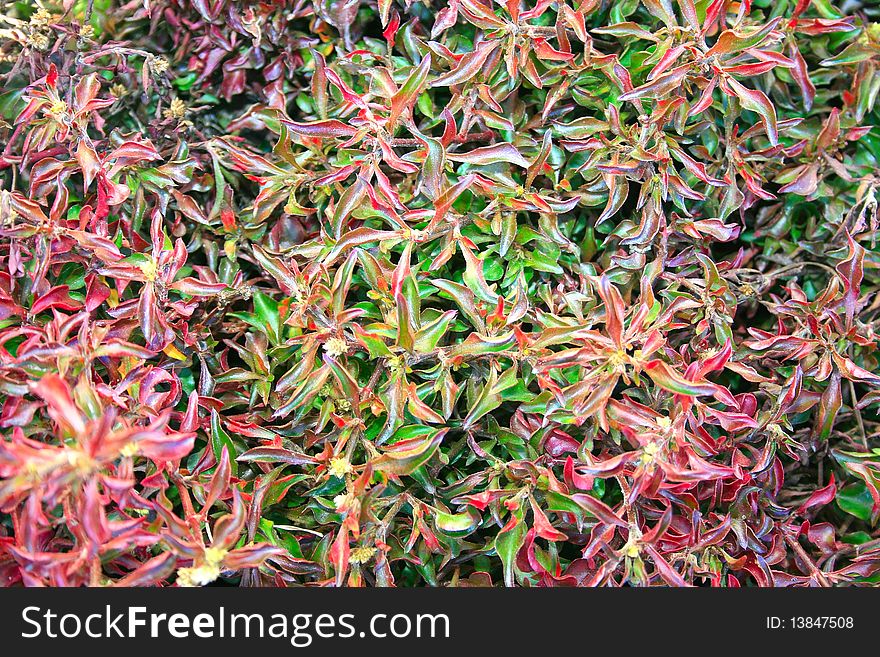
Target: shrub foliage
{"x":466,"y":293}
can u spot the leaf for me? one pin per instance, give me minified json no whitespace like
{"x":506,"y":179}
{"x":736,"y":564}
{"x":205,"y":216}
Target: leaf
{"x":161,"y":446}
{"x":413,"y":86}
{"x":266,"y":309}
{"x":56,"y":393}
{"x":829,"y":406}
{"x":490,"y":396}
{"x":429,"y":335}
{"x":661,"y":86}
{"x":403,"y":457}
{"x":373,"y":342}
{"x":626,"y":29}
{"x":801,"y":74}
{"x":820,"y":497}
{"x":276,"y":455}
{"x":405,"y":323}
{"x":277,"y":269}
{"x":732,"y":41}
{"x":614,"y":310}
{"x":349,"y":201}
{"x":359,"y":237}
{"x":464,"y":298}
{"x":508,"y":543}
{"x":57,"y":297}
{"x":474,"y":278}
{"x":151,"y":572}
{"x":856,"y":500}
{"x":503,"y":152}
{"x":866,"y":466}
{"x":88,"y":162}
{"x":433,"y":181}
{"x":851,"y":271}
{"x":457,"y":525}
{"x":662,"y":9}
{"x":757,"y":102}
{"x":327,"y":128}
{"x":476,"y":345}
{"x":196,"y":288}
{"x":668,"y":379}
{"x":542,"y":525}
{"x":598,"y":509}
{"x":468,"y":66}
{"x":220,"y":441}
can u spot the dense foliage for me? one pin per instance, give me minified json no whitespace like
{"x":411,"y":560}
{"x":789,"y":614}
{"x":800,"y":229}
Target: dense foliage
{"x":325,"y":292}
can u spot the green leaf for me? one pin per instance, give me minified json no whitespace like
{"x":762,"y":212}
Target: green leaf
{"x":219,"y":439}
{"x":668,"y":379}
{"x":490,"y":397}
{"x":856,"y":500}
{"x":475,"y":279}
{"x":457,"y":525}
{"x":508,"y":544}
{"x":266,"y":309}
{"x":404,"y":456}
{"x":405,"y":323}
{"x":413,"y":86}
{"x":431,"y":333}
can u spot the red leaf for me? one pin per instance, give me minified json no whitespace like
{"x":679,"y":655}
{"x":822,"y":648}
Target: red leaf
{"x":542,"y":525}
{"x":599,"y":509}
{"x":52,"y":77}
{"x":468,"y":66}
{"x":820,"y":497}
{"x":56,"y":393}
{"x":851,"y":270}
{"x":57,"y":297}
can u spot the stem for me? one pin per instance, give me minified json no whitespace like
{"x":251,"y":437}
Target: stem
{"x":814,"y":569}
{"x":796,"y":267}
{"x":95,"y":571}
{"x":858,"y":414}
{"x":485,"y":135}
{"x":624,"y":487}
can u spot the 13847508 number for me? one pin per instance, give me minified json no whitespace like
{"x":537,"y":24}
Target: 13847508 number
{"x":820,"y":622}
